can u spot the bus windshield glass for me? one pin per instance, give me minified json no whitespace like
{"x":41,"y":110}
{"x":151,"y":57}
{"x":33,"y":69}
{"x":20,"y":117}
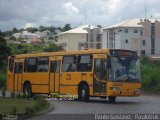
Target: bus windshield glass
{"x":124,"y":69}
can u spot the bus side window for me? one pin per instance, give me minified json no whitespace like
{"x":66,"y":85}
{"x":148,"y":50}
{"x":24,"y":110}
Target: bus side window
{"x":69,"y":64}
{"x":11,"y":64}
{"x":84,"y":63}
{"x":42,"y":65}
{"x":101,"y":68}
{"x":32,"y":65}
{"x":18,"y":67}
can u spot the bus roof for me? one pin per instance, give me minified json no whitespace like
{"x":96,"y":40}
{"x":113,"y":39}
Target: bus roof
{"x":88,"y":51}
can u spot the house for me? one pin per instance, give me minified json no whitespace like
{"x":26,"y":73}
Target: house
{"x":140,"y":35}
{"x":26,"y":35}
{"x":36,"y":41}
{"x":83,"y":37}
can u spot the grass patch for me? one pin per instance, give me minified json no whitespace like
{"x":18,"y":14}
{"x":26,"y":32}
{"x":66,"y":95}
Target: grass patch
{"x":3,"y":77}
{"x":15,"y":105}
{"x":22,"y":106}
{"x":150,"y":74}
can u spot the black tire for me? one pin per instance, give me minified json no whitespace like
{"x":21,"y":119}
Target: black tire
{"x":112,"y":98}
{"x":83,"y":93}
{"x":27,"y":90}
{"x":103,"y":97}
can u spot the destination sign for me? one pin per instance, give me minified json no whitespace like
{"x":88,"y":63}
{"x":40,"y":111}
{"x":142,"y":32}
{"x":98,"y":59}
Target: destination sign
{"x":124,"y":53}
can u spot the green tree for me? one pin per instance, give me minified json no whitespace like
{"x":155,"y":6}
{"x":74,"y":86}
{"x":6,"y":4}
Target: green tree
{"x":52,"y":47}
{"x":1,"y":34}
{"x":12,"y":38}
{"x":8,"y":33}
{"x":52,"y":29}
{"x":32,"y":29}
{"x":4,"y":51}
{"x":41,"y":28}
{"x":67,"y":27}
{"x":15,"y":30}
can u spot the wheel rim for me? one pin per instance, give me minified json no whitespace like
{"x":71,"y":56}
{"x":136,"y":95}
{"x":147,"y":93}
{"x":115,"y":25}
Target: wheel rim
{"x":26,"y":91}
{"x":83,"y":93}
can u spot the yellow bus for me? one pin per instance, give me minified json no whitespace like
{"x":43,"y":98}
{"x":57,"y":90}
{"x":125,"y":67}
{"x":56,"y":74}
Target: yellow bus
{"x":86,"y":73}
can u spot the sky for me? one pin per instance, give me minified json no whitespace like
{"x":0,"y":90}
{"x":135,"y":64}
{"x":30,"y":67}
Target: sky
{"x":33,"y":13}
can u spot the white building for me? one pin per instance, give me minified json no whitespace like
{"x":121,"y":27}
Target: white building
{"x":124,"y":35}
{"x":138,"y":35}
{"x":150,"y":37}
{"x":26,"y":35}
{"x":83,"y":37}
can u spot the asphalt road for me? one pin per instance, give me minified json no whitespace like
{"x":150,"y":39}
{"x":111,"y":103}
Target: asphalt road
{"x":145,"y":104}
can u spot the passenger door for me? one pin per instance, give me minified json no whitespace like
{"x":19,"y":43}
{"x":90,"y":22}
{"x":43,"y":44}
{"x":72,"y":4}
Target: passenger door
{"x":100,"y":76}
{"x":18,"y":69}
{"x":55,"y":75}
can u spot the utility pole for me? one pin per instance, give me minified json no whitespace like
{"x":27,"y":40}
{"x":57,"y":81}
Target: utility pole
{"x":145,"y":10}
{"x":114,"y":39}
{"x":85,"y":19}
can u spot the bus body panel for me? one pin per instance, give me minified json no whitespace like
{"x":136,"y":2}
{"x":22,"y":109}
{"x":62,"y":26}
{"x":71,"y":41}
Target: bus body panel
{"x":123,"y":89}
{"x":38,"y":80}
{"x":40,"y":88}
{"x":10,"y":82}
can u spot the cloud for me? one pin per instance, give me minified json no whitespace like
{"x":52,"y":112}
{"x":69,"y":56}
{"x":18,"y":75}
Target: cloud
{"x":70,"y":8}
{"x":30,"y":25}
{"x":23,"y":13}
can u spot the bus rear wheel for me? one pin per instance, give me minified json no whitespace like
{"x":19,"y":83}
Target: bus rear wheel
{"x":27,"y":90}
{"x":112,"y":98}
{"x":84,"y":93}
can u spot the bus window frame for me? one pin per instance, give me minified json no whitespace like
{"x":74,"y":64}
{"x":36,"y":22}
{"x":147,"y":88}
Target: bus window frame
{"x":38,"y":64}
{"x":26,"y":65}
{"x":92,"y":62}
{"x":72,"y":63}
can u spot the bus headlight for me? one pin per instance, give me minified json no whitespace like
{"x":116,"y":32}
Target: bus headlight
{"x":138,"y":91}
{"x":114,"y":88}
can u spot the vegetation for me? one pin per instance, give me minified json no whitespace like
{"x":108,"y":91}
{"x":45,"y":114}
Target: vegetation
{"x":15,"y":105}
{"x":29,"y":48}
{"x":52,"y":29}
{"x":150,"y":75}
{"x":4,"y":52}
{"x":22,"y":105}
{"x":2,"y":78}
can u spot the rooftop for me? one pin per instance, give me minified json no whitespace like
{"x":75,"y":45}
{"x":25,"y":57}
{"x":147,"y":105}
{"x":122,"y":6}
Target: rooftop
{"x":80,"y":29}
{"x":131,"y":23}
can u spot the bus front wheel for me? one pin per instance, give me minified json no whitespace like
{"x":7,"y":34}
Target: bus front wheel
{"x":112,"y":98}
{"x":27,"y":90}
{"x":84,"y":93}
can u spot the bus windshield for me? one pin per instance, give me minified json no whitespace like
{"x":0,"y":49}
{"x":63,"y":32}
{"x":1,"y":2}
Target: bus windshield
{"x":124,"y":69}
